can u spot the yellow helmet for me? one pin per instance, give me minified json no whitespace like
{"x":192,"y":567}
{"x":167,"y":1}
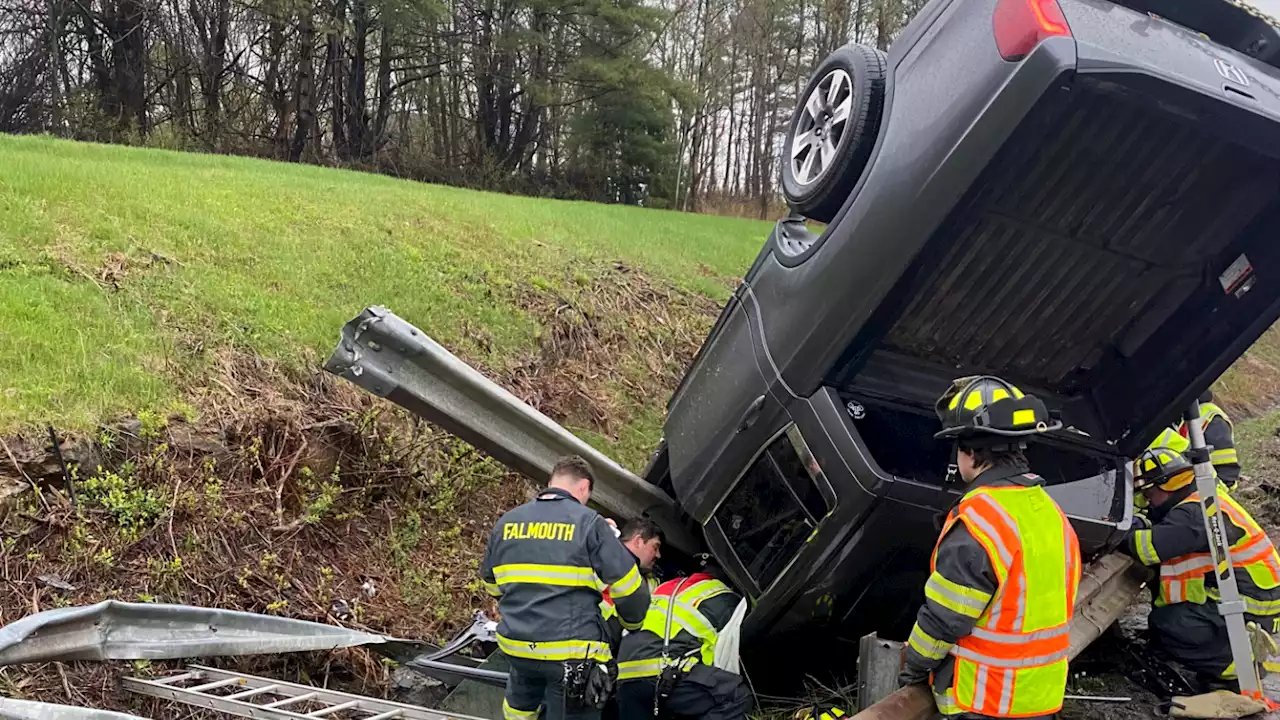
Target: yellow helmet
{"x":819,"y":712}
{"x":1164,"y":468}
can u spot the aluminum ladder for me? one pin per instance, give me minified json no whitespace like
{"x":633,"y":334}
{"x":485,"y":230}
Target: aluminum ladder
{"x":235,"y":694}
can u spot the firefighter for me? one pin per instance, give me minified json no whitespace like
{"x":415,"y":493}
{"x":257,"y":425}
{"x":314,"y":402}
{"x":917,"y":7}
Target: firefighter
{"x":547,"y":562}
{"x":1184,"y":622}
{"x":679,"y":661}
{"x":1218,"y":434}
{"x":991,"y":637}
{"x":643,"y":539}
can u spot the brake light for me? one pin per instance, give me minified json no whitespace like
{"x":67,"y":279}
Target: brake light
{"x":1021,"y":25}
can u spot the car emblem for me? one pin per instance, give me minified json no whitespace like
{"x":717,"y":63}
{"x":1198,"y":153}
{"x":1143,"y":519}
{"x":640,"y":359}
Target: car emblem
{"x":1231,"y":72}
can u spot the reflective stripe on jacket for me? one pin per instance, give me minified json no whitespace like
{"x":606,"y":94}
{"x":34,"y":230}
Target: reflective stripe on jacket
{"x":698,"y":607}
{"x":1013,"y":662}
{"x":1224,"y":451}
{"x":547,"y":562}
{"x":607,"y":610}
{"x":1179,"y":545}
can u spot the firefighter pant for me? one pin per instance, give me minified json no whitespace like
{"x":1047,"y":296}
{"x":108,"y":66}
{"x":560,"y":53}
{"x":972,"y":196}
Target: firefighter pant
{"x":704,"y":692}
{"x":1193,"y":635}
{"x":532,"y":684}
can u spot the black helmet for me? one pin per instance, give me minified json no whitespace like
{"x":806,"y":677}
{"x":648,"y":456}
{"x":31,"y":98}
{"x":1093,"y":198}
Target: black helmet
{"x":989,"y":410}
{"x":1162,"y":466}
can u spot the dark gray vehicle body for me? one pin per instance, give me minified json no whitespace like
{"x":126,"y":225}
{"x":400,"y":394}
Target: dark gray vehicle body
{"x":1064,"y":222}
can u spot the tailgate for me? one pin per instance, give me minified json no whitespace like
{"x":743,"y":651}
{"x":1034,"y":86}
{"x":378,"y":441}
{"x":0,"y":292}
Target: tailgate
{"x":1112,"y":38}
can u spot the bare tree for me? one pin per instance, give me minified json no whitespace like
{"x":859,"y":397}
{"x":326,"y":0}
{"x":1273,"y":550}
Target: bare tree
{"x":680,"y":101}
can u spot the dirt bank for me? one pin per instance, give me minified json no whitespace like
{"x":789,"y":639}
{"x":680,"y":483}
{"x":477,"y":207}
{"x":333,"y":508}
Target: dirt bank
{"x":297,"y":494}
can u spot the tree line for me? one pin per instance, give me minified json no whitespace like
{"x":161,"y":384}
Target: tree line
{"x":668,"y":103}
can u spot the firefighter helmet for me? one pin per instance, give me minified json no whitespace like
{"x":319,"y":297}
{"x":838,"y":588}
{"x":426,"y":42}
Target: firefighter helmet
{"x":985,"y":407}
{"x":1162,"y":467}
{"x":819,"y":712}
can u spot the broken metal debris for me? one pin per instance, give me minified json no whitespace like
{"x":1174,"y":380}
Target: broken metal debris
{"x":437,"y":668}
{"x":56,"y":583}
{"x":413,"y":687}
{"x":482,"y":630}
{"x":879,"y":662}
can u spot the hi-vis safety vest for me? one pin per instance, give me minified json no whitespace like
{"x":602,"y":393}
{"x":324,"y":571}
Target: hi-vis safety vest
{"x":607,"y":610}
{"x":1014,"y":661}
{"x":1182,"y":579}
{"x":685,"y":618}
{"x":1175,"y":438}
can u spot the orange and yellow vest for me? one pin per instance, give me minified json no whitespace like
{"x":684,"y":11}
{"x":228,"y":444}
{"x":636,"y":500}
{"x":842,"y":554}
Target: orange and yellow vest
{"x":1014,"y":661}
{"x":674,"y":608}
{"x":607,"y":610}
{"x":1182,"y":579}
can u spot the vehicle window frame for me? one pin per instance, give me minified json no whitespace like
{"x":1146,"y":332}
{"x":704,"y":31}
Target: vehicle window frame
{"x":815,"y":474}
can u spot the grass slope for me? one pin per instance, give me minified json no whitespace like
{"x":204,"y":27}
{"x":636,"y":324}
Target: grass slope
{"x":120,"y":268}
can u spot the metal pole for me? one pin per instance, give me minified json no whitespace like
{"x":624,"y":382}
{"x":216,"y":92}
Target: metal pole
{"x":1230,"y":606}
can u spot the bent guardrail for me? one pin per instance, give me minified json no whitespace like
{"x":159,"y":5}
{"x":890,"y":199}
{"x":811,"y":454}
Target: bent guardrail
{"x":384,"y":354}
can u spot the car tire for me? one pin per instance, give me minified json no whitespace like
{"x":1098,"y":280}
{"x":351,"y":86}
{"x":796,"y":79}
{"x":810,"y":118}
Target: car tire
{"x":833,"y":131}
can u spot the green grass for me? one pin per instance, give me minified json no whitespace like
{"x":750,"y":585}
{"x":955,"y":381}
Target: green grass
{"x":1259,"y":447}
{"x":1255,"y":439}
{"x":274,"y":258}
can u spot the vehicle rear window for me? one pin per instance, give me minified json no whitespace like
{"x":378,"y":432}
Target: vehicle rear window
{"x":772,"y":511}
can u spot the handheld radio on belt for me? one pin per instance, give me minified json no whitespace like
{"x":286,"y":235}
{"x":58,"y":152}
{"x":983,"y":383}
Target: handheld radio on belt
{"x":670,"y":673}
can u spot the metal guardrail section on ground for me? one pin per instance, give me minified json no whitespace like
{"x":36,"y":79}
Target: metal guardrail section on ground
{"x":11,"y":709}
{"x":390,"y":358}
{"x":112,"y":630}
{"x":251,"y":696}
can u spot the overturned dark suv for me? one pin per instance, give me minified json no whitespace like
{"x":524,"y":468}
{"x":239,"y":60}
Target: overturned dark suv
{"x":1079,"y":196}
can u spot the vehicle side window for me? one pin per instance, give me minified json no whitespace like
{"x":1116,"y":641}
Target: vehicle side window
{"x":772,"y":510}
